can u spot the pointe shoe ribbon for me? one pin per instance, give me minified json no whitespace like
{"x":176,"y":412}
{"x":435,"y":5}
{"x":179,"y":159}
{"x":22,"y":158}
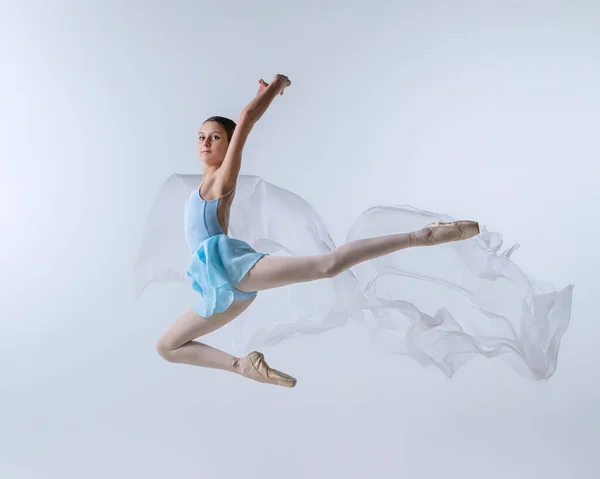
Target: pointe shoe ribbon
{"x":441,"y":232}
{"x":255,"y":367}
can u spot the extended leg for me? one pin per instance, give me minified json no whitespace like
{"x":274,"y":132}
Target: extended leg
{"x":358,"y":251}
{"x":276,"y":271}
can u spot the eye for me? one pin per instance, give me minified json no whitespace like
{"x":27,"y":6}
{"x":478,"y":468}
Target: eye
{"x":216,"y":137}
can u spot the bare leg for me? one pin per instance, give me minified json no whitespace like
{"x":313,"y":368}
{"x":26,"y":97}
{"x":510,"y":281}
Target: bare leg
{"x":177,"y":346}
{"x":276,"y":271}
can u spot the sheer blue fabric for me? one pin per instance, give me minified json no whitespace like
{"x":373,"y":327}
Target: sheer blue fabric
{"x":218,"y":262}
{"x":216,"y":266}
{"x":440,"y":305}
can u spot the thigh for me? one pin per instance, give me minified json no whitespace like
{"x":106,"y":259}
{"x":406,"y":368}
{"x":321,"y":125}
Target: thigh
{"x":276,"y":271}
{"x":190,"y":325}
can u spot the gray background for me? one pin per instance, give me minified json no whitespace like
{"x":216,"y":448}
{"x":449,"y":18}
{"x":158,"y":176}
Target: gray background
{"x":482,"y":110}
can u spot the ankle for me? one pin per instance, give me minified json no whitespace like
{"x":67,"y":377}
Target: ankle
{"x":235,"y":365}
{"x":412,"y":240}
{"x":416,"y":238}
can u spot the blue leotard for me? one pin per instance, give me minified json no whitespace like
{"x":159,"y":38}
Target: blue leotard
{"x":218,"y":262}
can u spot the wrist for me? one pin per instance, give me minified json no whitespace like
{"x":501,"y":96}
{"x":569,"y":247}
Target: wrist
{"x":273,"y":88}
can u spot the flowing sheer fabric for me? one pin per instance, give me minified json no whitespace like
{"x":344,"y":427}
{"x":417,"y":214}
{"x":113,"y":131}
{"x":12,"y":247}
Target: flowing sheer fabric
{"x":440,"y":305}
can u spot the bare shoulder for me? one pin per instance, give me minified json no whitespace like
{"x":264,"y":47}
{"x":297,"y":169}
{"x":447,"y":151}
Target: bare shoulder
{"x":216,"y":186}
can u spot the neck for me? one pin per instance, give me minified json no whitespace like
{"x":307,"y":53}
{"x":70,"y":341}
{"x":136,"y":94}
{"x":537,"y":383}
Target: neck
{"x":209,"y":171}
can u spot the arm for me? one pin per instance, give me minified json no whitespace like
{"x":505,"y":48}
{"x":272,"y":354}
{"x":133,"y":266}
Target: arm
{"x":230,"y":168}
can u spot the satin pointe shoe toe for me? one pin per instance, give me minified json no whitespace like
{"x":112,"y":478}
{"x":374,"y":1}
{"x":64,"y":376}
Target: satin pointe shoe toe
{"x":441,"y":232}
{"x":255,"y":367}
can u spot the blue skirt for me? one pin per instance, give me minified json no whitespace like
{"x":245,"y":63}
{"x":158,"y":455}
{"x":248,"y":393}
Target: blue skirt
{"x":219,"y":263}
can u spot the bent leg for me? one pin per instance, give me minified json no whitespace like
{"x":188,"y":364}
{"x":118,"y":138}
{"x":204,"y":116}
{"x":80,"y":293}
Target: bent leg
{"x":176,"y":345}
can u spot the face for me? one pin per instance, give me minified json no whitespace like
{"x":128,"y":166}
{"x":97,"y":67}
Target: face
{"x":212,"y":143}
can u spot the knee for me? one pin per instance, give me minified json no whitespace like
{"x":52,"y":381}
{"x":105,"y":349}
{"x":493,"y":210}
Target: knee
{"x":329,"y":266}
{"x":164,"y":350}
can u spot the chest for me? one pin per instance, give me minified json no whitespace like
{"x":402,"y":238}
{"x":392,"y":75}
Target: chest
{"x":210,"y":214}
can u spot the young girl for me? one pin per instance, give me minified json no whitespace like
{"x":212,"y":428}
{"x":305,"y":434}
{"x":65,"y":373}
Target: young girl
{"x":228,"y":272}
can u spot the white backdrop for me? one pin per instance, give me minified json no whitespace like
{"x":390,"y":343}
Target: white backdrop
{"x":482,"y":110}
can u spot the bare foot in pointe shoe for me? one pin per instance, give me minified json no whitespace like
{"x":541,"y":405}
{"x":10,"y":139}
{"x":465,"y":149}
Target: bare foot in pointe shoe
{"x":255,"y":367}
{"x":439,"y":232}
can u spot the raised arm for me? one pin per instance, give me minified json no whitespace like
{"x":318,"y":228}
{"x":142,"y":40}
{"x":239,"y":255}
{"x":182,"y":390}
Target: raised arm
{"x":230,"y":168}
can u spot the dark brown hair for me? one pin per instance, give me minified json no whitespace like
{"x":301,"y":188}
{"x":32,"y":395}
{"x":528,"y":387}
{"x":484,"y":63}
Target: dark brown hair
{"x":227,"y":124}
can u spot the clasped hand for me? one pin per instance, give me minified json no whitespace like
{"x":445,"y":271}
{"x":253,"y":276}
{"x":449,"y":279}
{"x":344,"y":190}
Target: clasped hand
{"x":279,"y":83}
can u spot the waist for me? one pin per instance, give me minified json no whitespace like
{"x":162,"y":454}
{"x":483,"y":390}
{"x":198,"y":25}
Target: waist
{"x":198,"y":229}
{"x":195,"y":240}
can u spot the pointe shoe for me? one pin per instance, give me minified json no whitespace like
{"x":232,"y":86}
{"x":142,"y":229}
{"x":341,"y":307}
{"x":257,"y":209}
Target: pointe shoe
{"x":255,"y":367}
{"x":440,"y":232}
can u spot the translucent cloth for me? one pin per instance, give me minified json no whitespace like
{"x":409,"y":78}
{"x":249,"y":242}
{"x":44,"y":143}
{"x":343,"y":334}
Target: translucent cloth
{"x":440,"y":305}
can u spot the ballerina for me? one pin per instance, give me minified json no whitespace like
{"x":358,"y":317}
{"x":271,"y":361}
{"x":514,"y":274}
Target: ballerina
{"x":228,"y":273}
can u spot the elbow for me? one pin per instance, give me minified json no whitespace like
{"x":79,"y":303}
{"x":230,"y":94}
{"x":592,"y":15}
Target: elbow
{"x":247,"y":117}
